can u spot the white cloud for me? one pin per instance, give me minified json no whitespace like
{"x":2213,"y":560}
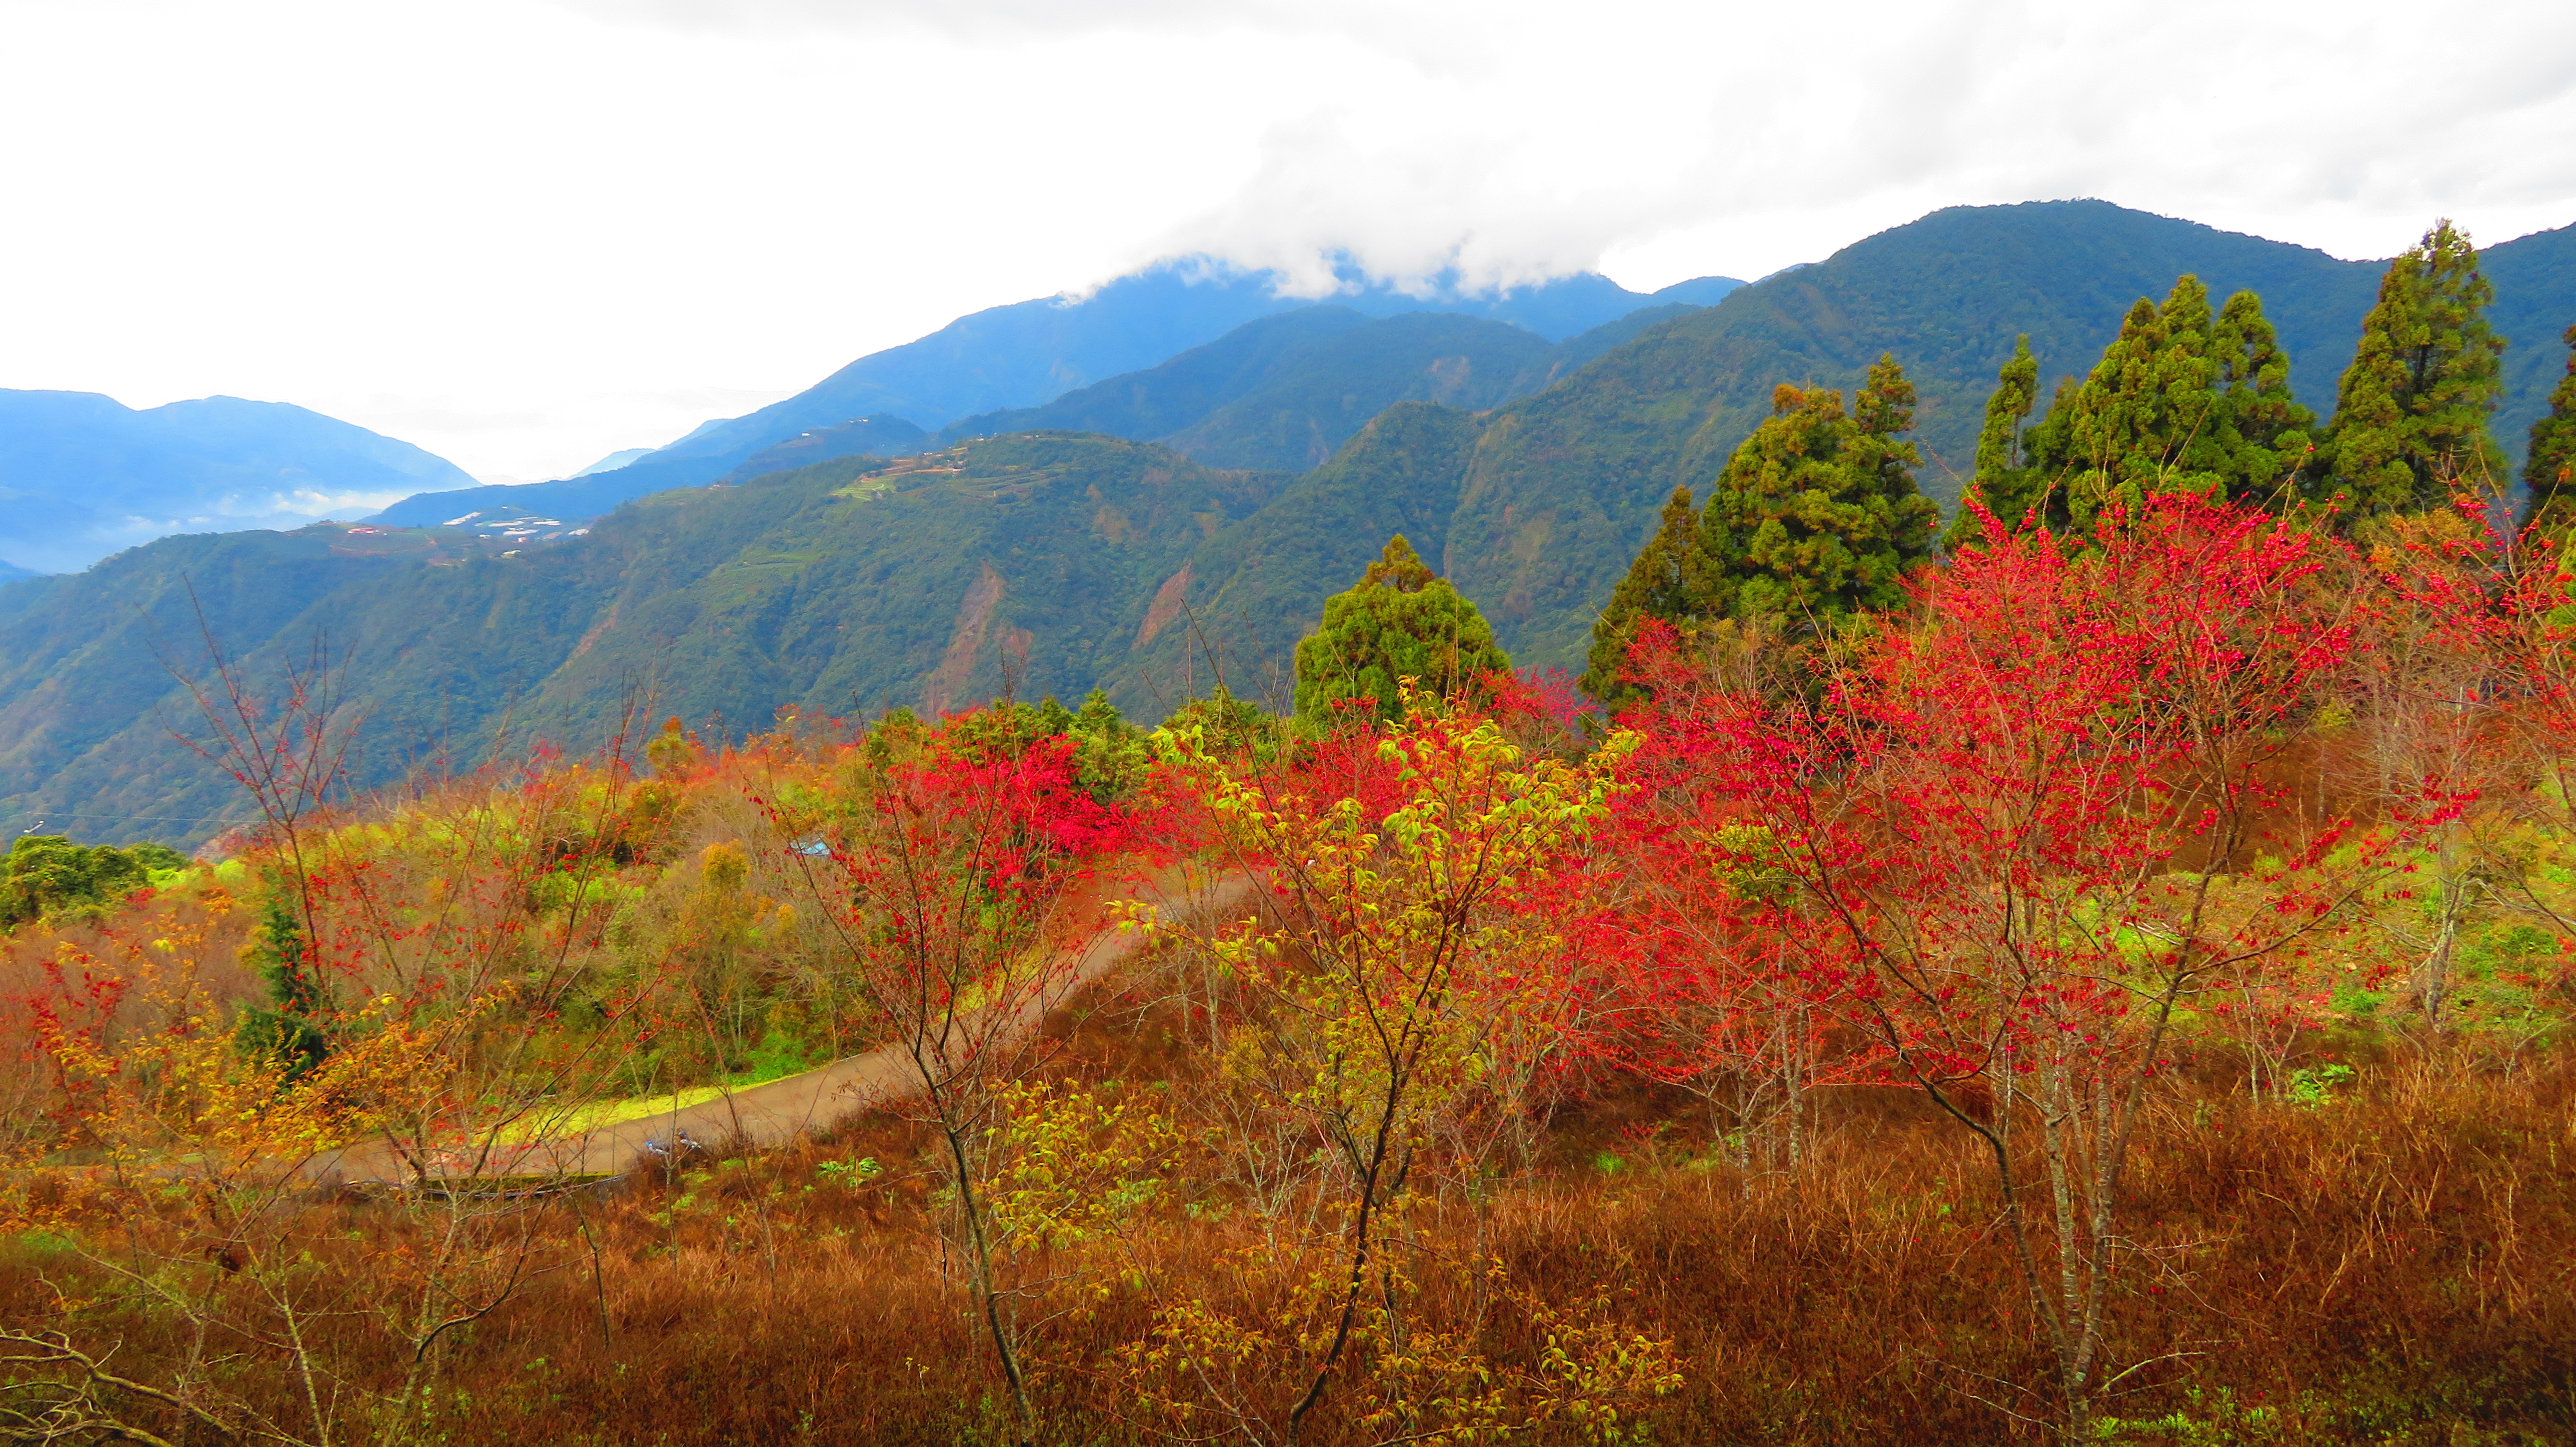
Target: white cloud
{"x":526,"y":235}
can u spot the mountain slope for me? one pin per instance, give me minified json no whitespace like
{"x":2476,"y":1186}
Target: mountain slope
{"x":86,"y":702}
{"x":1159,"y":400}
{"x":1236,"y":609}
{"x":1027,"y":562}
{"x":591,"y":494}
{"x":82,"y":475}
{"x":2535,"y":285}
{"x":1298,"y":420}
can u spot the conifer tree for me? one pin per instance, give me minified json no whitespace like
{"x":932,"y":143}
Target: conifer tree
{"x":1816,"y":513}
{"x":1401,"y":621}
{"x":2550,"y":470}
{"x":2181,"y":401}
{"x":2142,"y":419}
{"x":2260,"y":436}
{"x":284,"y":1029}
{"x":1671,"y":579}
{"x":2411,"y":411}
{"x":2005,"y":481}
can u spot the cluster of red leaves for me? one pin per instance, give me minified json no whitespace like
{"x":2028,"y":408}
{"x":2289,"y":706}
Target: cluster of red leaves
{"x":1965,"y":835}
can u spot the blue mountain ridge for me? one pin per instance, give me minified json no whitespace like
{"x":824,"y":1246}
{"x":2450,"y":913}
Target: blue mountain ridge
{"x":83,"y":476}
{"x":1029,"y":353}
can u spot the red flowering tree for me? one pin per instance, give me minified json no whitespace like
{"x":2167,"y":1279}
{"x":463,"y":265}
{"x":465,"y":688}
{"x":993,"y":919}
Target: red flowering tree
{"x":953,"y":880}
{"x":2024,"y":829}
{"x":2467,"y":719}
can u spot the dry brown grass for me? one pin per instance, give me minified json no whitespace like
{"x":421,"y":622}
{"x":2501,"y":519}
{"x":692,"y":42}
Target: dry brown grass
{"x":2394,"y":1267}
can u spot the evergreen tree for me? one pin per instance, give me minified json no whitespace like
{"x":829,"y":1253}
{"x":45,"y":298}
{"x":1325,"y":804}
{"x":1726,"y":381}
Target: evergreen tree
{"x":284,"y":1028}
{"x":1111,"y":755}
{"x":2550,"y":471}
{"x":1401,"y":621}
{"x":2005,"y":481}
{"x":2411,"y":411}
{"x":2142,"y":420}
{"x":2262,"y":433}
{"x":2181,"y":401}
{"x":1672,"y":579}
{"x":1816,"y":514}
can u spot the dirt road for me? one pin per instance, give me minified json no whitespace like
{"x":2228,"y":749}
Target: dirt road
{"x":780,"y":1111}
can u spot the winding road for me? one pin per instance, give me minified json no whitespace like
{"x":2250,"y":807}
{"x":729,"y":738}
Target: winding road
{"x":774,"y":1114}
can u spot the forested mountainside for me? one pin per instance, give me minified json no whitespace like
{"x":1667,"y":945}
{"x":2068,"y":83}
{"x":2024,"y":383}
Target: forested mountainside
{"x":1034,"y":563}
{"x":1561,"y":488}
{"x":1028,"y":353}
{"x":1253,"y":590}
{"x":82,"y":475}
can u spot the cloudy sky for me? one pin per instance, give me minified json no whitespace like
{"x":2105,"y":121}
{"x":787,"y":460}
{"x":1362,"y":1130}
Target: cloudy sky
{"x":526,"y":233}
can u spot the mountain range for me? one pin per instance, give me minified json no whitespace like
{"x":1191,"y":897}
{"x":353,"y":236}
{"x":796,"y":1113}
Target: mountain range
{"x":1029,"y":353}
{"x":1148,"y":533}
{"x":82,"y":476}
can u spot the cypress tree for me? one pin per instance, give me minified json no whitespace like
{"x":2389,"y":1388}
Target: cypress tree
{"x":2550,"y":470}
{"x":2181,"y":401}
{"x":2260,"y":435}
{"x":2142,"y":420}
{"x":1671,"y":579}
{"x":1401,"y":621}
{"x":1817,"y":513}
{"x":2411,"y":411}
{"x":2005,"y":481}
{"x":2119,"y":425}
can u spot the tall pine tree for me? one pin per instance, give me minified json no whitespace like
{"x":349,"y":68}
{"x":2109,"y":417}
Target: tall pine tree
{"x":2181,"y":401}
{"x":2005,"y":482}
{"x":1671,"y":579}
{"x":2550,"y":471}
{"x":2142,"y":420}
{"x":2260,"y":437}
{"x":2410,"y":420}
{"x":1816,"y":514}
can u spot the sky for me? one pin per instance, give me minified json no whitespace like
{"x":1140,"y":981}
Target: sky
{"x":528,"y":233}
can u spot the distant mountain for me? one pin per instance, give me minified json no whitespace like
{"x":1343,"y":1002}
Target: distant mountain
{"x":11,"y":572}
{"x":82,"y":476}
{"x":1283,"y":392}
{"x":1299,"y":418}
{"x":1029,"y":353}
{"x":2535,"y":284}
{"x":615,"y":460}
